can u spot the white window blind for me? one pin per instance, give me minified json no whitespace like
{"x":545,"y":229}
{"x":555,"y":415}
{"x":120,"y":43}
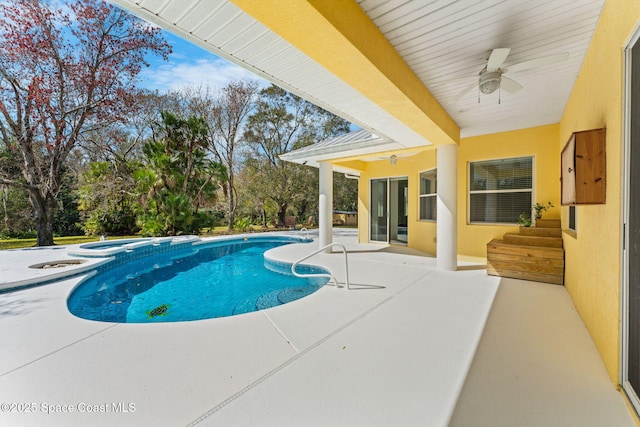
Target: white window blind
{"x":500,"y":190}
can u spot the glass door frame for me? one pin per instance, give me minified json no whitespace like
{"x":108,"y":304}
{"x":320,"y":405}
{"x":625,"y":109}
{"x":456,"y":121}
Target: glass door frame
{"x":626,"y":346}
{"x":392,"y":229}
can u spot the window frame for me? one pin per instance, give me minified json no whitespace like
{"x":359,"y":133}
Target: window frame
{"x":520,"y":190}
{"x":434,"y":194}
{"x":574,"y":229}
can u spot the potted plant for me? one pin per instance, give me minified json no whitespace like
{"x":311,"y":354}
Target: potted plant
{"x":524,"y":219}
{"x":539,"y":208}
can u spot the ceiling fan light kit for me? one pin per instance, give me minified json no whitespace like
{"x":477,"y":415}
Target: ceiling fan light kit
{"x":491,"y":76}
{"x":489,"y":82}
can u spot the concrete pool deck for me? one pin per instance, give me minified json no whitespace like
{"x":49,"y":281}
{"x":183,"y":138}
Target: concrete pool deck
{"x":396,"y":349}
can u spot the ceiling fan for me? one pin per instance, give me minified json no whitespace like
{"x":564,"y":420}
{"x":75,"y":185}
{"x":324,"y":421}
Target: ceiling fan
{"x":393,"y":159}
{"x":491,"y":77}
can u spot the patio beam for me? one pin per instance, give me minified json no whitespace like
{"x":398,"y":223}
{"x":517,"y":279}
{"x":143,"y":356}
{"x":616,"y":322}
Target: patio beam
{"x":340,"y":37}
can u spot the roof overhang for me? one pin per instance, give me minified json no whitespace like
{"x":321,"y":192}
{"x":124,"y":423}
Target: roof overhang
{"x":332,"y":56}
{"x":371,"y":61}
{"x":363,"y":144}
{"x":350,"y":153}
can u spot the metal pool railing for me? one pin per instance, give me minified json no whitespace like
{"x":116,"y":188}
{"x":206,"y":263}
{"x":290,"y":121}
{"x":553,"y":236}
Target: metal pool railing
{"x":330,"y":276}
{"x":306,"y":232}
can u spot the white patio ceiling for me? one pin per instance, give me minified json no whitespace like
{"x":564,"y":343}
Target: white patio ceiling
{"x":445,"y":42}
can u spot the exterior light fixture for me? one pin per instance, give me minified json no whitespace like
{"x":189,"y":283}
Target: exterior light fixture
{"x":393,"y":160}
{"x":489,"y":82}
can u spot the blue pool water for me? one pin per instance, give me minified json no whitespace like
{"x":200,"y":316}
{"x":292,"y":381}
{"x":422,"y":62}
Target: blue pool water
{"x":193,"y":283}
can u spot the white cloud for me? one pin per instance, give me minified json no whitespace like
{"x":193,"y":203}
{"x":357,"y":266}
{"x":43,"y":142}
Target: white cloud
{"x":176,"y":74}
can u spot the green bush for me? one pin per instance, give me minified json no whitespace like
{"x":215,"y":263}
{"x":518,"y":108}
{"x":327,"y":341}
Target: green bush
{"x":242,"y":224}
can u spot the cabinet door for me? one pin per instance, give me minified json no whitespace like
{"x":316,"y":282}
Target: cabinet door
{"x":583,"y":168}
{"x":590,"y":167}
{"x":569,"y":172}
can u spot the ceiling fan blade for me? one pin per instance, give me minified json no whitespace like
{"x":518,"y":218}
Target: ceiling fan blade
{"x":509,"y":85}
{"x":497,"y":58}
{"x":538,"y":62}
{"x":464,"y":92}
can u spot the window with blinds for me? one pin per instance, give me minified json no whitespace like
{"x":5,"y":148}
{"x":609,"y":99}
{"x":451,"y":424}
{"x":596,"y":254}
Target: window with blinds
{"x":428,"y":194}
{"x":500,"y":190}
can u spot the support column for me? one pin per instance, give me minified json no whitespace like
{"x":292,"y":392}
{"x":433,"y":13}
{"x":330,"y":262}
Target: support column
{"x":446,"y":228}
{"x":325,"y":205}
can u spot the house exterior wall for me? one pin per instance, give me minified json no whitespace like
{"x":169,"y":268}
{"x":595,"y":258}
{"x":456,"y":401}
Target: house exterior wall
{"x":421,"y":233}
{"x":593,"y":267}
{"x":593,"y":256}
{"x":539,"y":142}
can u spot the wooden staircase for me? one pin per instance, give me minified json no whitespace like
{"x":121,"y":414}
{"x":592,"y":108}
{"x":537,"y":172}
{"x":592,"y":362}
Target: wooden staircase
{"x":535,"y":253}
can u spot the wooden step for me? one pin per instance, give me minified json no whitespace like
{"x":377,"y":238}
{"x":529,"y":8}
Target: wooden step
{"x":540,"y":231}
{"x":498,"y":246}
{"x":519,"y":239}
{"x":527,"y":275}
{"x":548,"y":223}
{"x":536,"y":263}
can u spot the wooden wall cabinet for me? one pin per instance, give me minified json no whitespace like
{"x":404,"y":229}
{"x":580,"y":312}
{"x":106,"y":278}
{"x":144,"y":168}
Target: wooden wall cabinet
{"x":583,"y":168}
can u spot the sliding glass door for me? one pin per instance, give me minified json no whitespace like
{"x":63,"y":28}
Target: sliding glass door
{"x":379,"y":208}
{"x":631,"y":286}
{"x":388,"y":212}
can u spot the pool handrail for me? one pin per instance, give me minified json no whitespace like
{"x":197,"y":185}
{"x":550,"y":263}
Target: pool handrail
{"x":306,"y":235}
{"x":330,"y":275}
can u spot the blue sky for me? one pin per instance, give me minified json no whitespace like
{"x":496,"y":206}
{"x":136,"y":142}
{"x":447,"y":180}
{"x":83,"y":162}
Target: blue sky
{"x":189,"y":65}
{"x":192,"y":66}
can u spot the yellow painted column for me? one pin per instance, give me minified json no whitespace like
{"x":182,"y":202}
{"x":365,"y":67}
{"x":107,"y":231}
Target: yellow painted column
{"x":338,"y":35}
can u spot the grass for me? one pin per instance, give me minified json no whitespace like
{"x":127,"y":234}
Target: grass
{"x":67,"y":240}
{"x":72,"y":240}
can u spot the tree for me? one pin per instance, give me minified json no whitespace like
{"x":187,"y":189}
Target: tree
{"x":67,"y":216}
{"x":345,"y":193}
{"x":179,"y":179}
{"x":107,"y":198}
{"x":15,"y":213}
{"x":121,"y":141}
{"x":224,"y":112}
{"x":62,"y":74}
{"x":111,"y":154}
{"x":16,"y":217}
{"x":283,"y":122}
{"x":230,"y":112}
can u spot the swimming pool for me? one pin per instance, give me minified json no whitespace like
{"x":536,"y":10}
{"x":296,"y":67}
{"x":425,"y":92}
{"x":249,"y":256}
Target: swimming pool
{"x":190,"y":282}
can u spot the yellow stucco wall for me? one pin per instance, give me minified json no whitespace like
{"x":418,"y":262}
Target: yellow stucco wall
{"x":421,"y":233}
{"x":593,"y":257}
{"x":539,"y":142}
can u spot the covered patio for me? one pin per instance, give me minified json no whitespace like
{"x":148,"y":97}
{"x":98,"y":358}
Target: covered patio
{"x":413,"y":75}
{"x":429,"y":77}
